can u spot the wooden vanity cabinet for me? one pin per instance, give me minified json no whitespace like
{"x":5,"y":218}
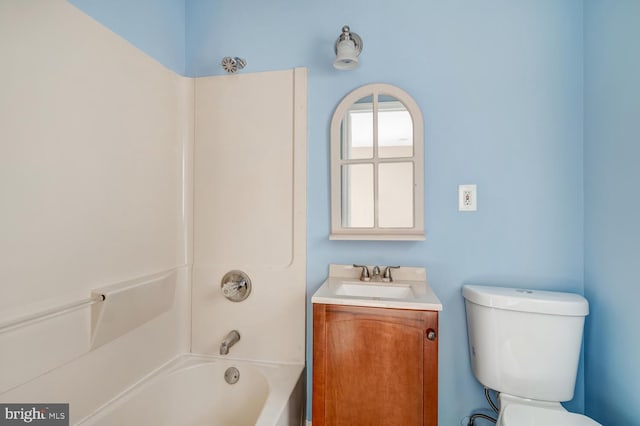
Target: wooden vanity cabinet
{"x":374,"y":366}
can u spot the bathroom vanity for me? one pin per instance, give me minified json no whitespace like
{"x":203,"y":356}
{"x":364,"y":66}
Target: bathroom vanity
{"x":375,"y":349}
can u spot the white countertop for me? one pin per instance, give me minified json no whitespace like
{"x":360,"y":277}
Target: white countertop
{"x":421,"y":297}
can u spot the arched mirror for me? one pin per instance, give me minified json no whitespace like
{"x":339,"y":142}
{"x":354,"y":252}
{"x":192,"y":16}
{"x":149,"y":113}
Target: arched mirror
{"x":377,"y":166}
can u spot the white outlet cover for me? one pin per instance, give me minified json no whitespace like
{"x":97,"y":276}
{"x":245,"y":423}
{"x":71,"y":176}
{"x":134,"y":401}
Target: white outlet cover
{"x":467,"y":198}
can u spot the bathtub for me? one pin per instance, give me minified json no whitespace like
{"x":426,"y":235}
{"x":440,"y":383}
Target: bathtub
{"x":192,"y":390}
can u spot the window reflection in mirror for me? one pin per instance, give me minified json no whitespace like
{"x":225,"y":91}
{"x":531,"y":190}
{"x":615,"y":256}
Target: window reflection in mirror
{"x":395,"y":129}
{"x":395,"y":195}
{"x":357,"y":195}
{"x":357,"y":130}
{"x":395,"y":180}
{"x":377,"y":174}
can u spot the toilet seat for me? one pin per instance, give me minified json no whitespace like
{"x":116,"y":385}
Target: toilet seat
{"x":523,"y":415}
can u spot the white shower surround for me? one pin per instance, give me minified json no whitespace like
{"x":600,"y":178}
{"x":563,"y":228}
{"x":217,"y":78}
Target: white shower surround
{"x":250,"y":213}
{"x":99,"y":142}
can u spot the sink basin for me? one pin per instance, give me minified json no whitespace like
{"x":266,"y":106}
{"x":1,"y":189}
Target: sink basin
{"x":408,"y":290}
{"x":375,"y":290}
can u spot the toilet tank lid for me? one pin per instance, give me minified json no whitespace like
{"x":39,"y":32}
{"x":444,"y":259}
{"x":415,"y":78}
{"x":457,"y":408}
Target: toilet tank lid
{"x":524,"y":300}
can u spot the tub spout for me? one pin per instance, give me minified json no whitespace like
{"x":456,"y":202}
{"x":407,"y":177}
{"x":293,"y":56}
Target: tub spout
{"x":231,"y":339}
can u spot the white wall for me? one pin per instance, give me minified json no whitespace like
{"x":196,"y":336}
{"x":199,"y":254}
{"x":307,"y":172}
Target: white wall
{"x":95,"y":138}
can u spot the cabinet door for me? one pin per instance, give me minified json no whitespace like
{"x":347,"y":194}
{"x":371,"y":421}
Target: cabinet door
{"x":374,"y":366}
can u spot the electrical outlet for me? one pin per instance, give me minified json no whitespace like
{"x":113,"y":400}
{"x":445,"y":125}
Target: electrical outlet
{"x":467,"y":198}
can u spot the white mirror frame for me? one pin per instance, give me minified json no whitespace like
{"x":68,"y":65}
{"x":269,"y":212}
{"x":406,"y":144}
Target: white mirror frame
{"x":339,"y":232}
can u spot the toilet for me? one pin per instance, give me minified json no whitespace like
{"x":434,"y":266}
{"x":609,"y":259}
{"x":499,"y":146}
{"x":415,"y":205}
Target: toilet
{"x":525,"y":344}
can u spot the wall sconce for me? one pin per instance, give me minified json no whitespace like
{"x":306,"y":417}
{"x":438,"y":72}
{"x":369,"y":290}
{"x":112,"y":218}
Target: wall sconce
{"x":347,"y":48}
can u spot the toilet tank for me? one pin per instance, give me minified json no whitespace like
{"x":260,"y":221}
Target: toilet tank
{"x":525,"y":342}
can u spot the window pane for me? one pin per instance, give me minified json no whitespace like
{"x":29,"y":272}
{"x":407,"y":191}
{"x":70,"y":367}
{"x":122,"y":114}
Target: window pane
{"x":357,"y":130}
{"x":395,"y":195}
{"x":357,"y":195}
{"x":395,"y":129}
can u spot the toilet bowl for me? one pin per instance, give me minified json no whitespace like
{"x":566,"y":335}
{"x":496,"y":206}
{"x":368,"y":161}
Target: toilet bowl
{"x":523,"y":415}
{"x":526,"y":344}
{"x":515,"y":411}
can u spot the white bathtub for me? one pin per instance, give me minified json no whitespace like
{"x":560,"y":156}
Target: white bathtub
{"x":191,"y":390}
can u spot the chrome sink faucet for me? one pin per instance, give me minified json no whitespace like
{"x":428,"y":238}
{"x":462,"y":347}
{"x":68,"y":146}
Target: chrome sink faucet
{"x":376,"y":274}
{"x":232,"y":338}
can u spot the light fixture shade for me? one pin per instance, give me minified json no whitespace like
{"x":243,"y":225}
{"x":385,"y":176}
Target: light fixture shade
{"x":347,"y":48}
{"x":347,"y":55}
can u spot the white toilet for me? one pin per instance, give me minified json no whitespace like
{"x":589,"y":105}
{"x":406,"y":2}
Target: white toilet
{"x":525,"y":344}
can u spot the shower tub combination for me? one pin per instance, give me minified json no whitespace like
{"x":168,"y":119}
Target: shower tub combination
{"x":193,"y":390}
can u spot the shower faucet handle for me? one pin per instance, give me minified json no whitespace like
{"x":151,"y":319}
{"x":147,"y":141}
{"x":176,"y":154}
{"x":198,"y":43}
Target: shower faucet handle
{"x":236,"y":286}
{"x":231,"y":288}
{"x":364,"y":276}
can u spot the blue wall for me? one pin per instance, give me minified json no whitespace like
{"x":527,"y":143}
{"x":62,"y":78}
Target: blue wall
{"x":156,"y":27}
{"x":612,"y":206}
{"x":500,"y":86}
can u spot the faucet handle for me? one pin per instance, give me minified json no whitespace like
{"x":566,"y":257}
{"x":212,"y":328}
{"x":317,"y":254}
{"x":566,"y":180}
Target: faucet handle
{"x":236,"y":285}
{"x":364,"y":276}
{"x":231,"y":288}
{"x":386,"y":276}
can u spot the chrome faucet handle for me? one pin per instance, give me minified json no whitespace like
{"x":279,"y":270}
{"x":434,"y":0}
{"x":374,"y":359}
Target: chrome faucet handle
{"x":364,"y":276}
{"x":231,"y":288}
{"x":236,"y":286}
{"x":386,"y":276}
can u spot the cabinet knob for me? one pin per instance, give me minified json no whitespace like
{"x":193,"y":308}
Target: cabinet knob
{"x":431,"y":334}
